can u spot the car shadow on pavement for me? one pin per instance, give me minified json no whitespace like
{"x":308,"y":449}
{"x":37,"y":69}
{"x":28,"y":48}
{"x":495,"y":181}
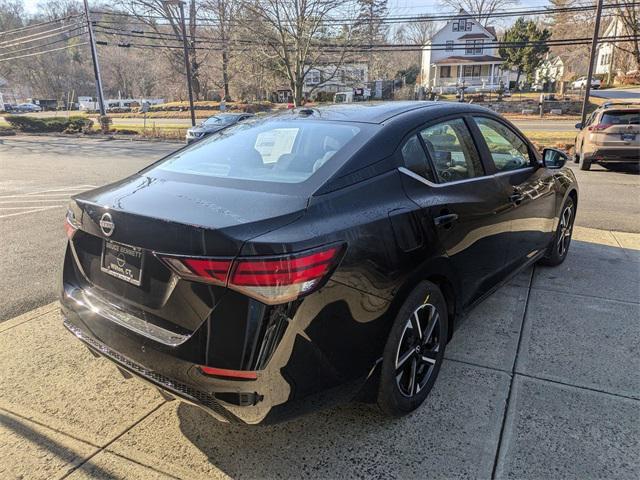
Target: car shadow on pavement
{"x":456,"y":433}
{"x":63,"y":454}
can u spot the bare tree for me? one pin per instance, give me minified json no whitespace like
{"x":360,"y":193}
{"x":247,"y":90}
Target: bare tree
{"x":481,"y":10}
{"x":225,"y":14}
{"x":418,"y":32}
{"x":299,"y":35}
{"x":148,"y":12}
{"x":629,"y":17}
{"x":563,"y":26}
{"x":12,"y":15}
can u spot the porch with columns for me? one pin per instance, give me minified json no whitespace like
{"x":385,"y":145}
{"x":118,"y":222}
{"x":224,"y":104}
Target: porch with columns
{"x":478,"y":76}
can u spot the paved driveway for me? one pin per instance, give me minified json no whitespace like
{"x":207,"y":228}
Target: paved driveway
{"x":541,"y":381}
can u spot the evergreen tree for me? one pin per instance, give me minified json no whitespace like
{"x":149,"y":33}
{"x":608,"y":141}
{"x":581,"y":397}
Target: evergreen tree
{"x":525,"y":58}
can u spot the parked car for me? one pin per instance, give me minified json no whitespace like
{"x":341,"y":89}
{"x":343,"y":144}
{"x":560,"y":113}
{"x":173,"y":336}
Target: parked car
{"x":7,"y":107}
{"x":313,"y":256}
{"x":214,"y":124}
{"x":610,"y":136}
{"x":28,"y":107}
{"x":581,"y":83}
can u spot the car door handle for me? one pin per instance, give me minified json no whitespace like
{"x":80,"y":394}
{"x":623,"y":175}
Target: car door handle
{"x":445,"y":220}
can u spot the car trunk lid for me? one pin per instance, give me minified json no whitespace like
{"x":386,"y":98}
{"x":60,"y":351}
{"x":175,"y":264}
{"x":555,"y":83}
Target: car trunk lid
{"x":133,"y":221}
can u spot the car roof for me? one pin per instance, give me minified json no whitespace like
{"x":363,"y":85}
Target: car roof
{"x":230,"y":114}
{"x":380,"y":112}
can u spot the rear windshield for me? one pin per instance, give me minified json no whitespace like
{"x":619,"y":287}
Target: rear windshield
{"x":621,"y":118}
{"x":269,"y":150}
{"x":218,"y":120}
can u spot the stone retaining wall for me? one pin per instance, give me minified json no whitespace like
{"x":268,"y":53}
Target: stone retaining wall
{"x":567,"y":107}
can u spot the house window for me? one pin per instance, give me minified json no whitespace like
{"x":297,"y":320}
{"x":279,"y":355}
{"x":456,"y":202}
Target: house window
{"x":473,"y":47}
{"x":445,"y":72}
{"x":462,"y":25}
{"x":449,"y":45}
{"x":313,"y":77}
{"x":471,"y":70}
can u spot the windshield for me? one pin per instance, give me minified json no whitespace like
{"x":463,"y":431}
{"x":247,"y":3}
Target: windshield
{"x":218,"y":120}
{"x":621,"y":118}
{"x":269,"y":150}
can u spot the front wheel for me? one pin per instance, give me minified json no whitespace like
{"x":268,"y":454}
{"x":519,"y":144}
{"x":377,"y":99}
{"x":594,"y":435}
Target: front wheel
{"x":559,"y":247}
{"x":414,"y":351}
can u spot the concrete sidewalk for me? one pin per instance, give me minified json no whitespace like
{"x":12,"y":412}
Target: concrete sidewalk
{"x":542,"y":381}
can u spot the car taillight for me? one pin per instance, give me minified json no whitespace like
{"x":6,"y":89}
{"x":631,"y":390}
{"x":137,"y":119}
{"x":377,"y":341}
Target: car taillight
{"x":271,"y":280}
{"x":599,"y":127}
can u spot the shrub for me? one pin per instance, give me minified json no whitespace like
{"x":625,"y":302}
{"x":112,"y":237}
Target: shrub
{"x":6,"y":131}
{"x":126,"y":131}
{"x":73,"y":124}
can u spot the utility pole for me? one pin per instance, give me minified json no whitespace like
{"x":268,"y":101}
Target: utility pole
{"x":94,"y":56}
{"x":594,"y":43}
{"x":187,"y":63}
{"x":613,"y":51}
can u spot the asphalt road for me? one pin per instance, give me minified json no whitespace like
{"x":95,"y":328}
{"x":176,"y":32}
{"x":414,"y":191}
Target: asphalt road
{"x":38,"y":174}
{"x":618,"y":94}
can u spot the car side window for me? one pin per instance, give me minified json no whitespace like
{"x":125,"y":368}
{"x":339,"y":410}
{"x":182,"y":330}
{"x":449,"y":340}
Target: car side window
{"x":415,"y":159}
{"x":508,"y":150}
{"x":452,"y":151}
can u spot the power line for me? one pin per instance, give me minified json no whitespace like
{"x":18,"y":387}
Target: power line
{"x":42,"y":53}
{"x":392,"y":47}
{"x":39,"y":36}
{"x":369,"y":46}
{"x":13,"y":52}
{"x":35,"y":25}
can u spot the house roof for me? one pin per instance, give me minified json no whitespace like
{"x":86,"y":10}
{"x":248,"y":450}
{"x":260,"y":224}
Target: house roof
{"x":492,"y":31}
{"x":475,"y":59}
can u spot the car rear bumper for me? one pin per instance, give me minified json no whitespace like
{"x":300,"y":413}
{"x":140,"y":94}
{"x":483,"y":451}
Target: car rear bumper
{"x":174,"y":388}
{"x":614,"y":155}
{"x":309,"y":368}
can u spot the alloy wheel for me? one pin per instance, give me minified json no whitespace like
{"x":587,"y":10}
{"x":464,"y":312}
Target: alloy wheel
{"x":418,"y":350}
{"x":564,"y":230}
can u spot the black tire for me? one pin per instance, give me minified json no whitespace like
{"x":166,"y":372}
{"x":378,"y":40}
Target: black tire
{"x":559,"y":247}
{"x":421,"y":359}
{"x":585,"y":164}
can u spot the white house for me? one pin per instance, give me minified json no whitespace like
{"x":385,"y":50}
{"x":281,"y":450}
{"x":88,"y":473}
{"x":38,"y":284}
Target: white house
{"x":551,"y":70}
{"x":605,"y":50}
{"x":460,"y":54}
{"x":333,"y":78}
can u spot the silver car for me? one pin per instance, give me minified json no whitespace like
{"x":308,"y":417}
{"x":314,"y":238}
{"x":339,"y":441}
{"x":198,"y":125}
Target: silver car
{"x":28,"y":107}
{"x":214,"y":124}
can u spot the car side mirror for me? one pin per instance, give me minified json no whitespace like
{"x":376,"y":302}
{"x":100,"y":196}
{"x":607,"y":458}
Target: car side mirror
{"x":554,"y":158}
{"x":579,"y":126}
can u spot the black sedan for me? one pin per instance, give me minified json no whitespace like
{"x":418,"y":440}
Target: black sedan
{"x":215,"y":124}
{"x":311,"y":257}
